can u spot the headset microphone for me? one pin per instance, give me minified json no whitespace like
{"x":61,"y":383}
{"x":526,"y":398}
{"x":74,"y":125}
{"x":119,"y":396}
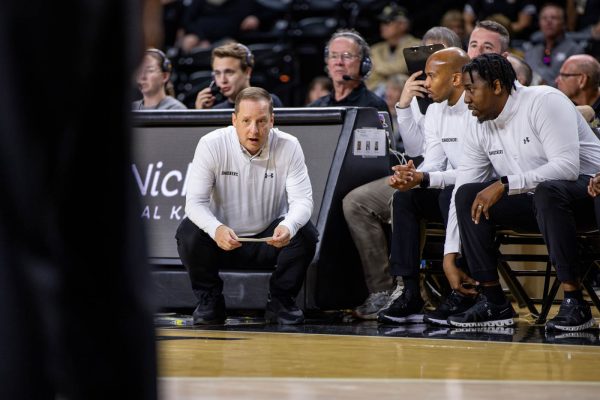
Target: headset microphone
{"x":349,"y":78}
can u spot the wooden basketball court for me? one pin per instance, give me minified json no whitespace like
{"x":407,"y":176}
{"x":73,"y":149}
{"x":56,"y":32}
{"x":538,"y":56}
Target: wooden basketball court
{"x":361,"y":360}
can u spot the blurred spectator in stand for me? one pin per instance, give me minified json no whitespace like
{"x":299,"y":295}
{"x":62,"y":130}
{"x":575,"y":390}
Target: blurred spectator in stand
{"x":455,"y":21}
{"x":423,"y":16}
{"x":232,"y":66}
{"x":172,"y":13}
{"x":387,"y":56}
{"x":585,"y":20}
{"x":522,"y":69}
{"x":206,"y":22}
{"x":318,"y":87}
{"x":585,"y":14}
{"x":547,"y":57}
{"x":488,"y":37}
{"x":393,"y":90}
{"x":579,"y":78}
{"x":154,"y":81}
{"x":519,"y":13}
{"x":348,"y":59}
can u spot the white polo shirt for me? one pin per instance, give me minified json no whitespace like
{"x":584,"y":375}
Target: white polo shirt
{"x":538,"y":136}
{"x":229,"y":186}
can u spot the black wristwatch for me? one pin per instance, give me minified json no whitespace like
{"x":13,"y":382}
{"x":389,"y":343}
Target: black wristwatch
{"x":425,"y":181}
{"x":504,"y":181}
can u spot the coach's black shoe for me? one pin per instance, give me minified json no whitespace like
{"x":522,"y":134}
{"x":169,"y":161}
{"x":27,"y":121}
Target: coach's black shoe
{"x":210,"y":309}
{"x":484,"y":313}
{"x":407,"y":308}
{"x":454,"y":304}
{"x":283,"y":311}
{"x":572,"y":316}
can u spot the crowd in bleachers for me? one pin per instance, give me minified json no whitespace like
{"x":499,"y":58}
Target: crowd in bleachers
{"x":288,"y":37}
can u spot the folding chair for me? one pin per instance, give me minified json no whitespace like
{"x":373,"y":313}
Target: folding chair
{"x":589,"y":252}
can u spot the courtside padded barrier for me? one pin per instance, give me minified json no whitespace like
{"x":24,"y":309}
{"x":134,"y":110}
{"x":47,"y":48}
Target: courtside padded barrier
{"x":164,"y":145}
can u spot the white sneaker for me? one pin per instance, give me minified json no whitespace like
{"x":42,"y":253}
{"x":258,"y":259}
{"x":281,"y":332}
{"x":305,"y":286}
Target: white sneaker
{"x":372,"y":305}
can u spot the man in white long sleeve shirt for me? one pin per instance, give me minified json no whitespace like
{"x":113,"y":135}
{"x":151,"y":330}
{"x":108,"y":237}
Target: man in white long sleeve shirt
{"x":545,"y":153}
{"x":367,"y":208}
{"x":248,"y":180}
{"x":443,"y":131}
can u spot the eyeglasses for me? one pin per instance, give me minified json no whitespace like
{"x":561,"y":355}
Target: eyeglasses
{"x":346,"y":57}
{"x":563,"y":75}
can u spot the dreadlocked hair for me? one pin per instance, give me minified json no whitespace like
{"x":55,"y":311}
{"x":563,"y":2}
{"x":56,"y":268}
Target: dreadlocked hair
{"x":492,"y":67}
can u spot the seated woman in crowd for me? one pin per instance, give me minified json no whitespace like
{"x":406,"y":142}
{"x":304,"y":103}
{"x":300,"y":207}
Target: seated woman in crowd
{"x":153,"y":79}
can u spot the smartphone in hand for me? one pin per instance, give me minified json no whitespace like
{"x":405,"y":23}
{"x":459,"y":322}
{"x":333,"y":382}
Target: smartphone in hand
{"x":416,"y":58}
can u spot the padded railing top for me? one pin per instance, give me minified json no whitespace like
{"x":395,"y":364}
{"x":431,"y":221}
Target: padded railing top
{"x":283,"y":116}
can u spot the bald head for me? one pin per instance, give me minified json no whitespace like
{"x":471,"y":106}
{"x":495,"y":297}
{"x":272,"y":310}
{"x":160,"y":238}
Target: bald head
{"x":587,"y":65}
{"x":579,"y":78}
{"x":522,"y":69}
{"x":444,"y":78}
{"x":451,"y":59}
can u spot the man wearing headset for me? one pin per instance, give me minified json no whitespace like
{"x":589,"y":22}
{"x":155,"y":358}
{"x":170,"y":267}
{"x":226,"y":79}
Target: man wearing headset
{"x":232,"y":66}
{"x":347,"y":56}
{"x":348,"y":63}
{"x":248,"y":180}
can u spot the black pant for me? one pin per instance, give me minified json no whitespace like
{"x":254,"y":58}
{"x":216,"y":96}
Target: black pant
{"x":408,"y":209}
{"x":557,"y":209}
{"x":203,"y":258}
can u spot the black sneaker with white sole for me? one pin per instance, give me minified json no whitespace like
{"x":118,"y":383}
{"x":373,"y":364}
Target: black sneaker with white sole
{"x":485,"y":333}
{"x":484,"y":313}
{"x":454,"y":304}
{"x":572,"y":316}
{"x":406,"y":309}
{"x":576,"y":338}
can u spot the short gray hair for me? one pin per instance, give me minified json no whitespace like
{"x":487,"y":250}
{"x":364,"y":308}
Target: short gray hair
{"x":443,"y":35}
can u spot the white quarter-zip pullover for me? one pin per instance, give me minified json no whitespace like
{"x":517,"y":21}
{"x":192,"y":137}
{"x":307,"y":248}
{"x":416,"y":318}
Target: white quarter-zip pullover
{"x":538,"y":136}
{"x":444,"y":131}
{"x":229,"y":186}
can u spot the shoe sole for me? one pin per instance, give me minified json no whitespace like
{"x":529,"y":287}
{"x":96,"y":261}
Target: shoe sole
{"x":565,"y":328}
{"x":411,"y":319}
{"x":436,"y":321}
{"x":498,"y":322}
{"x":271,"y":318}
{"x":367,"y":317}
{"x":211,"y":322}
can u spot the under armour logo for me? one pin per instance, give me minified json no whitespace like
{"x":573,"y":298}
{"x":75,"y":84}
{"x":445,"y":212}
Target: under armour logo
{"x":526,"y":140}
{"x":271,"y":175}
